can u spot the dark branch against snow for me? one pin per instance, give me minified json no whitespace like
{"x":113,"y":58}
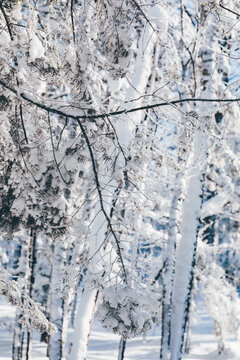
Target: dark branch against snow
{"x":113,"y":113}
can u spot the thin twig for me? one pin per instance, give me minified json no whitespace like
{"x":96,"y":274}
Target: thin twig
{"x":22,"y":122}
{"x":193,"y":66}
{"x":144,"y":15}
{"x":61,"y":133}
{"x":94,"y":166}
{"x":72,"y":20}
{"x":120,"y":146}
{"x":53,"y":149}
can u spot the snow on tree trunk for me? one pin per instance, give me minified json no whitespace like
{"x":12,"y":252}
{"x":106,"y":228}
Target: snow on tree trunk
{"x":56,"y":305}
{"x":83,"y":323}
{"x":186,"y":250}
{"x":169,"y":266}
{"x":88,"y":300}
{"x":66,"y":320}
{"x":18,"y":336}
{"x":32,"y":262}
{"x":18,"y":332}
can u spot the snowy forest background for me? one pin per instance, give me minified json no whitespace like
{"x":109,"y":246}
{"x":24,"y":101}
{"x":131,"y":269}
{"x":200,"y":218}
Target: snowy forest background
{"x":119,"y":170}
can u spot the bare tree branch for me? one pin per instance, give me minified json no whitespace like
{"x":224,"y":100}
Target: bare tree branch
{"x":231,"y":11}
{"x":72,"y":20}
{"x":144,"y":15}
{"x":53,"y":149}
{"x":22,"y":122}
{"x":94,"y":166}
{"x":113,"y":113}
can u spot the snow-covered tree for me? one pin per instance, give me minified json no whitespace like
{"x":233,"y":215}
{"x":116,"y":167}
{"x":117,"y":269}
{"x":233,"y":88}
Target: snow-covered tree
{"x":118,"y":156}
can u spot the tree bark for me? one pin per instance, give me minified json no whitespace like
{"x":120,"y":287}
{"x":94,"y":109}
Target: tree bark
{"x":122,"y":346}
{"x":169,"y":266}
{"x":83,"y":324}
{"x":56,"y":305}
{"x":186,"y":250}
{"x":32,"y":262}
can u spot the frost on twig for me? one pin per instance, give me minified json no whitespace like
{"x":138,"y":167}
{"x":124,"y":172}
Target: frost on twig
{"x":33,"y":316}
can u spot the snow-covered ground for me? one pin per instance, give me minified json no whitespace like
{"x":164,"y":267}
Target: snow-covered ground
{"x":104,"y":345}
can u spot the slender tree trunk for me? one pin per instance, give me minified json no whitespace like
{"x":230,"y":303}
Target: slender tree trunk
{"x":56,"y":305}
{"x":168,"y":272}
{"x":186,"y":250}
{"x":18,"y":336}
{"x":88,"y":300}
{"x":190,"y":312}
{"x":18,"y":333}
{"x":18,"y":348}
{"x":29,"y":346}
{"x":32,"y":262}
{"x":83,"y":323}
{"x":122,"y":346}
{"x":74,"y":306}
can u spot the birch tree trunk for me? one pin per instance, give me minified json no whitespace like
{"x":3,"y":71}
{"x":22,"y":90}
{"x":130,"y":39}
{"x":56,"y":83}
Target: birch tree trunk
{"x":18,"y":333}
{"x":83,"y":323}
{"x":169,"y":266}
{"x":192,"y":190}
{"x":186,"y":250}
{"x":88,"y":299}
{"x":87,"y":303}
{"x":122,"y":346}
{"x":56,"y":304}
{"x":18,"y":337}
{"x":32,"y":262}
{"x":22,"y":346}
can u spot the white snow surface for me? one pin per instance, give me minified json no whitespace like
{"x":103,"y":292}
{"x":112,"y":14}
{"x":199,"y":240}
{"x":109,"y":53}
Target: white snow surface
{"x":213,"y":206}
{"x":36,"y":49}
{"x":104,"y":345}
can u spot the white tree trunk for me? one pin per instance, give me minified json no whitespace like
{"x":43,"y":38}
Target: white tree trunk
{"x":186,"y":250}
{"x":88,"y":300}
{"x":83,"y":323}
{"x":185,"y":256}
{"x":169,"y":267}
{"x":56,"y":305}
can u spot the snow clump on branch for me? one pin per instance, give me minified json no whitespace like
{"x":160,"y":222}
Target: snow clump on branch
{"x":126,"y":311}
